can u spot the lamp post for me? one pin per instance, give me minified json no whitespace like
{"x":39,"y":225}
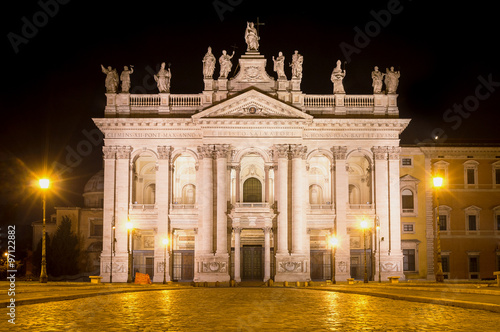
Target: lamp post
{"x":438,"y":183}
{"x":112,"y":251}
{"x":44,"y":185}
{"x":129,"y":228}
{"x":333,"y":244}
{"x":364,"y":225}
{"x":165,"y":243}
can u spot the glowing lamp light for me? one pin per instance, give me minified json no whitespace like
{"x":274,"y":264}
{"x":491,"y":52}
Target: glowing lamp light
{"x":364,"y":224}
{"x":129,"y":225}
{"x":438,"y":181}
{"x":333,"y":241}
{"x":44,"y":183}
{"x":165,"y":241}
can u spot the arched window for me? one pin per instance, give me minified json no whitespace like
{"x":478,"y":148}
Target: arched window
{"x":407,"y":201}
{"x":188,"y":194}
{"x":315,"y":194}
{"x":252,"y":190}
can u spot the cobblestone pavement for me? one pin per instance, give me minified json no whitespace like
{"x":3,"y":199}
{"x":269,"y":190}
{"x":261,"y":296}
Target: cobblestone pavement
{"x":246,"y":309}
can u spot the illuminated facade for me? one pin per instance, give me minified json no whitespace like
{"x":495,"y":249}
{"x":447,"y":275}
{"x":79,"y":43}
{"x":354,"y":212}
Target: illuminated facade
{"x":249,"y":178}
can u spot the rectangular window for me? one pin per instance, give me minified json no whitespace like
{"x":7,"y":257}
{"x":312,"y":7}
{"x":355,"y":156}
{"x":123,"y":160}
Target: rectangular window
{"x":498,"y":222}
{"x":442,"y":223}
{"x":497,"y":175}
{"x":473,"y":264}
{"x":408,"y":228}
{"x":470,"y":176}
{"x":95,"y":229}
{"x":445,"y":262}
{"x":472,"y":223}
{"x":408,"y":259}
{"x":406,"y":162}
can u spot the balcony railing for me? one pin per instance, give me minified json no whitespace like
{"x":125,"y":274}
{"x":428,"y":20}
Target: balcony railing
{"x":252,"y":205}
{"x":360,"y":206}
{"x":321,"y":206}
{"x":142,"y":207}
{"x":183,"y":206}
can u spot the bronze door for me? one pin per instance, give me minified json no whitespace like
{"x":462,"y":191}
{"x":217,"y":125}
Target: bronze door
{"x":252,"y":263}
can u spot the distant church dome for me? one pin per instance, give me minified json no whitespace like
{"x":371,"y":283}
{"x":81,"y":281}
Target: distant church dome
{"x":93,"y":192}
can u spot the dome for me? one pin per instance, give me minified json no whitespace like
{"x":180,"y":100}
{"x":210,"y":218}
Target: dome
{"x":93,"y":192}
{"x":95,"y":183}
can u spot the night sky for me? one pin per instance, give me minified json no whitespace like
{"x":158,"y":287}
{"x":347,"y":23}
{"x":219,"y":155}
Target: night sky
{"x":53,"y":85}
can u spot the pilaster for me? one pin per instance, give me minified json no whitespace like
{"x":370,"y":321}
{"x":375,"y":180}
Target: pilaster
{"x":343,"y":251}
{"x":162,"y":204}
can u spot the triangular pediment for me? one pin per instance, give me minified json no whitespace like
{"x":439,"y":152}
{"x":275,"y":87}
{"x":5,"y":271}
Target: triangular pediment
{"x":252,"y":104}
{"x":409,"y":178}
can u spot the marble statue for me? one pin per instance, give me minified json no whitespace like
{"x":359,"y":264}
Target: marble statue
{"x":377,"y":78}
{"x":297,"y":60}
{"x":391,"y":80}
{"x":125,"y":78}
{"x":225,"y":63}
{"x":208,"y":64}
{"x":251,"y":37}
{"x":111,"y":81}
{"x":279,"y":65}
{"x":162,"y":78}
{"x":337,"y":76}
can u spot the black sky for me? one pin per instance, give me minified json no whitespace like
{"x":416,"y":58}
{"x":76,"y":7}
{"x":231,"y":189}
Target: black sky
{"x":53,"y":86}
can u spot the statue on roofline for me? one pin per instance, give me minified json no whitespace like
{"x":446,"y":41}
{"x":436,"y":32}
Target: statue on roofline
{"x":125,"y":78}
{"x":279,"y":65}
{"x":208,"y":64}
{"x":225,"y":64}
{"x":338,"y":75}
{"x":377,"y":78}
{"x":251,"y":37}
{"x":297,"y":60}
{"x":111,"y":81}
{"x":162,"y":78}
{"x":391,"y":80}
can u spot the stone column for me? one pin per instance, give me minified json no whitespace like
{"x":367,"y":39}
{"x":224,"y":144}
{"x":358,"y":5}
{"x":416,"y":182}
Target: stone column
{"x":122,"y":183}
{"x":237,"y":253}
{"x":162,"y":204}
{"x":205,"y":231}
{"x":282,"y":197}
{"x":266,"y":183}
{"x":267,"y":253}
{"x":237,"y":184}
{"x":395,"y":264}
{"x":299,"y":224}
{"x":343,"y":251}
{"x":381,"y":197}
{"x":109,"y":154}
{"x":222,"y":152}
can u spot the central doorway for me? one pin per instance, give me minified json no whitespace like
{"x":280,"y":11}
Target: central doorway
{"x":252,"y":266}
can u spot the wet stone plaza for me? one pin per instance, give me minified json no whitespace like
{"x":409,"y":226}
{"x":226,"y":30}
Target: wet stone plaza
{"x":247,"y":309}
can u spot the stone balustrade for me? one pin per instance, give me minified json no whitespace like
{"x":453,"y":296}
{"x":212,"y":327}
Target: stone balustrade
{"x":334,"y":104}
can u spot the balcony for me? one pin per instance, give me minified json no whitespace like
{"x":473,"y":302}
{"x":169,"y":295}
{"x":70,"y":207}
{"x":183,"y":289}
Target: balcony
{"x":137,"y":209}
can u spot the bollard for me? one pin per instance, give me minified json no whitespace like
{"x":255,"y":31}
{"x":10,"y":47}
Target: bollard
{"x":285,"y":283}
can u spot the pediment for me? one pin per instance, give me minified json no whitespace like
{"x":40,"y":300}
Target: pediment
{"x":409,"y":178}
{"x":252,"y":104}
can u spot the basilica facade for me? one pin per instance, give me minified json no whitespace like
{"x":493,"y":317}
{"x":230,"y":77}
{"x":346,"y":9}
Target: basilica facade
{"x":251,"y":178}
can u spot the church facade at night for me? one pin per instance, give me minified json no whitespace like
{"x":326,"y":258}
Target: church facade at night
{"x":251,"y":178}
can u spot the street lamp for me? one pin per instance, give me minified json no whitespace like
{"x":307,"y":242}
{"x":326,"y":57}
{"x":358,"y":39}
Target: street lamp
{"x":438,"y":183}
{"x":165,"y":243}
{"x":333,"y":244}
{"x":44,"y":185}
{"x":129,"y":228}
{"x":364,"y":226}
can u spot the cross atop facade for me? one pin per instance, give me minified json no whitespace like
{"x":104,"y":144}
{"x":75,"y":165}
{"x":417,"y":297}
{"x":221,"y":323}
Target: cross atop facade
{"x":259,"y":24}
